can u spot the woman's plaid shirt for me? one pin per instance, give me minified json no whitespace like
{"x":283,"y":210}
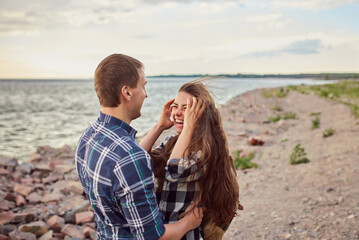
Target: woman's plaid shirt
{"x":117,"y":177}
{"x":179,"y":189}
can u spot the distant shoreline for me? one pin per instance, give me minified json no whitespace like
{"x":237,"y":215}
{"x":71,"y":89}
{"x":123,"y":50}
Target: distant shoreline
{"x":314,"y":76}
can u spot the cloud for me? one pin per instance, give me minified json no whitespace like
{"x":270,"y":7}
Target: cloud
{"x":310,"y":46}
{"x":22,"y":16}
{"x":310,"y":4}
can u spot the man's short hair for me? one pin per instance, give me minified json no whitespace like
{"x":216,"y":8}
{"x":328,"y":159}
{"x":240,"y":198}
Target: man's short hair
{"x":114,"y":72}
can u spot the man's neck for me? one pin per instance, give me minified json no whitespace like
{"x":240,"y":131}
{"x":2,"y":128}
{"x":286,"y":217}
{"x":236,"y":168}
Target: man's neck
{"x":117,"y":112}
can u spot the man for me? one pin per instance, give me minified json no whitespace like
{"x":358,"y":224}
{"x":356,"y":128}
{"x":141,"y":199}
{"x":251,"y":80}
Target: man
{"x":115,"y":172}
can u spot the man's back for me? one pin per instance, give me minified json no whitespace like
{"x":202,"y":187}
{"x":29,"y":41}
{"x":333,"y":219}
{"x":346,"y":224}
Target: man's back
{"x":117,"y":177}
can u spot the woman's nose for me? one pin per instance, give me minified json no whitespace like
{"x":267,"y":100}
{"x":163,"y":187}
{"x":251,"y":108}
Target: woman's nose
{"x":178,"y":112}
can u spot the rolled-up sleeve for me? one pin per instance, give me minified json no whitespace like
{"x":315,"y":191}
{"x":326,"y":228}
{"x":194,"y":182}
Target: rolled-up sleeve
{"x":183,"y":169}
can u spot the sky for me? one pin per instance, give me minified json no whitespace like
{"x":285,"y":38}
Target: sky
{"x":68,"y":38}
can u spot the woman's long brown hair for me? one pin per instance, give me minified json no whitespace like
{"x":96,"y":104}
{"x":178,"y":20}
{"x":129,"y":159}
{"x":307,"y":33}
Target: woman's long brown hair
{"x":219,"y":190}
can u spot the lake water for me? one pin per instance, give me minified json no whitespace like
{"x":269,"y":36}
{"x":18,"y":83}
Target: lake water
{"x":56,"y":112}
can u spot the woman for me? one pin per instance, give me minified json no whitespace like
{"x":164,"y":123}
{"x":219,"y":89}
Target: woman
{"x":194,"y":165}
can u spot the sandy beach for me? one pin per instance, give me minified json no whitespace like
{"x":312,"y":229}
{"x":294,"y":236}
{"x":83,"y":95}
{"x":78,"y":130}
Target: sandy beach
{"x":315,"y":200}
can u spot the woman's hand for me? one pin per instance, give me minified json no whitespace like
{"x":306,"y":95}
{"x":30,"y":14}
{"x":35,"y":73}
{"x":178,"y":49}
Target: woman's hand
{"x":193,"y":112}
{"x":164,"y":121}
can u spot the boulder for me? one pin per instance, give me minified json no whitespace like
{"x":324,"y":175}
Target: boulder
{"x":56,"y":223}
{"x":22,"y":217}
{"x":84,"y":217}
{"x":47,"y":236}
{"x":18,"y":235}
{"x":34,"y":158}
{"x":38,"y":228}
{"x":72,"y":231}
{"x":34,"y":197}
{"x":23,"y":190}
{"x":5,"y":217}
{"x":52,"y":197}
{"x":74,"y":187}
{"x":20,"y":201}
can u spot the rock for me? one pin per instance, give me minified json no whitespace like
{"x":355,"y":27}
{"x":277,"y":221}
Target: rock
{"x":22,"y":217}
{"x":47,"y":236}
{"x":20,"y":201}
{"x":87,"y":231}
{"x":5,"y":217}
{"x":18,"y":235}
{"x":63,"y":168}
{"x":4,"y":172}
{"x":43,"y":167}
{"x":59,"y":186}
{"x":25,"y":167}
{"x":84,"y":217}
{"x":27,"y":181}
{"x":10,"y":197}
{"x":313,"y":234}
{"x":70,"y":216}
{"x":56,"y":223}
{"x":6,"y":205}
{"x":50,"y":179}
{"x":72,"y":231}
{"x":9,"y":163}
{"x":38,"y":228}
{"x":23,"y":190}
{"x":287,"y":236}
{"x":255,"y":142}
{"x":74,"y":187}
{"x":56,"y":196}
{"x":58,"y":236}
{"x":34,"y":157}
{"x":34,"y":198}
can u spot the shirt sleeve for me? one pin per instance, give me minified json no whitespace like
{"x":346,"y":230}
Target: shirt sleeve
{"x":183,"y":169}
{"x":136,"y":195}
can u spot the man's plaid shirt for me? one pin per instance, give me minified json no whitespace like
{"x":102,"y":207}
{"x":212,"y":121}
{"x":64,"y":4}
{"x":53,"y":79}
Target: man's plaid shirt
{"x":179,"y":189}
{"x":117,"y":177}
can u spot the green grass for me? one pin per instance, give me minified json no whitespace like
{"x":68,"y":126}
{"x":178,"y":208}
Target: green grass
{"x":315,"y":123}
{"x":277,"y":108}
{"x":298,"y":156}
{"x":275,"y":118}
{"x":244,"y":162}
{"x":328,"y":132}
{"x":315,"y":113}
{"x":345,"y":91}
{"x":289,"y":115}
{"x":273,"y":93}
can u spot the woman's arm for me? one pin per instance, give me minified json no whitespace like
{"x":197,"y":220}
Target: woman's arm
{"x":163,"y":123}
{"x":193,"y":111}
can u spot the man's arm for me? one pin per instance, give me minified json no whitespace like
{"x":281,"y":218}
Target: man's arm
{"x":189,"y":222}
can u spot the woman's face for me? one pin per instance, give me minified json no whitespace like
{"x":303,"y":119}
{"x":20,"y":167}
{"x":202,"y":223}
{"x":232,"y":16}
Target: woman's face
{"x":178,"y":109}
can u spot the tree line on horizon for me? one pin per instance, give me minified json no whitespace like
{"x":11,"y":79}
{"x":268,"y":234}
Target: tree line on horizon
{"x":321,"y":76}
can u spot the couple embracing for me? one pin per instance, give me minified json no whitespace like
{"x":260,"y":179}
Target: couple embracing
{"x":185,"y":188}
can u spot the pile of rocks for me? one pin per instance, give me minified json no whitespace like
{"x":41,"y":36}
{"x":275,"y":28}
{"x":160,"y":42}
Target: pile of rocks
{"x":43,"y":198}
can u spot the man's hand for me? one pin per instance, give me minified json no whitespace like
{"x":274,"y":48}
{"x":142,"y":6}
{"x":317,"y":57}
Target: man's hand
{"x":194,"y":216}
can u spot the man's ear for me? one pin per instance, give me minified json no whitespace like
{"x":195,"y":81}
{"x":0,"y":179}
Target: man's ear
{"x":126,"y":93}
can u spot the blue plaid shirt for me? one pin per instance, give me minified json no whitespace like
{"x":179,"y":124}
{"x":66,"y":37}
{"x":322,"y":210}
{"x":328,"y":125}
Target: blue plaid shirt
{"x":117,"y":177}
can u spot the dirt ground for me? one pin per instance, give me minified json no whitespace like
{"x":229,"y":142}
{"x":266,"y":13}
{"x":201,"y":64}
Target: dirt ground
{"x":316,"y":200}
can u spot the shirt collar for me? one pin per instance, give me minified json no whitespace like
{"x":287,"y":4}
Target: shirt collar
{"x":113,"y":120}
